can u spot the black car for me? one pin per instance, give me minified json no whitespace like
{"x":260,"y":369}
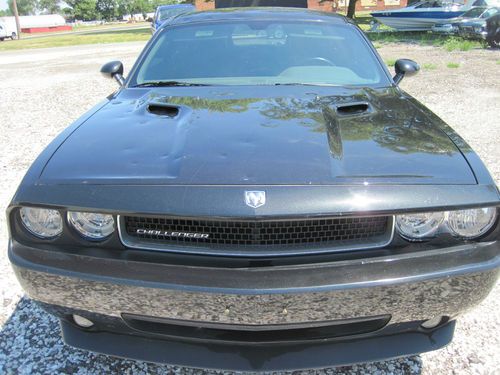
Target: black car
{"x":493,"y":31}
{"x":258,"y":194}
{"x":475,"y":28}
{"x":475,"y":14}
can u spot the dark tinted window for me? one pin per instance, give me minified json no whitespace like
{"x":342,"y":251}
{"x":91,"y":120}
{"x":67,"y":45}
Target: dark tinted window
{"x":262,"y":53}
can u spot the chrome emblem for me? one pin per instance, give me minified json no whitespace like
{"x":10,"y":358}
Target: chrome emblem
{"x":255,"y":199}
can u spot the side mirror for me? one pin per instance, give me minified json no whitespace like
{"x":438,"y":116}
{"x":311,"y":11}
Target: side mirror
{"x":114,"y":69}
{"x":405,"y":67}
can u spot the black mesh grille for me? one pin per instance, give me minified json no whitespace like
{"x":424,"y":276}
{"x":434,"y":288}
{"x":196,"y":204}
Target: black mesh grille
{"x":220,"y":233}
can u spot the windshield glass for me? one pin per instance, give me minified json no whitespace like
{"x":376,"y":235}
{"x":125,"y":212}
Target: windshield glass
{"x":167,"y":13}
{"x":261,"y":53}
{"x":489,"y":13}
{"x":474,"y":12}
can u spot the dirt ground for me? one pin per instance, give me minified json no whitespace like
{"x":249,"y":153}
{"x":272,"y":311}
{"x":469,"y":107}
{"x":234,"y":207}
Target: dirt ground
{"x":44,"y":90}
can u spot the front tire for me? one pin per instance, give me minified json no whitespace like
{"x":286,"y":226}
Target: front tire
{"x":494,"y":42}
{"x":13,"y":36}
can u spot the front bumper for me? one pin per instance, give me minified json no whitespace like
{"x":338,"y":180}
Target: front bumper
{"x":471,"y":33}
{"x":407,"y":288}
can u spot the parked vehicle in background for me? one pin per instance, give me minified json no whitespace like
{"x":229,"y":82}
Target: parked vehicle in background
{"x":424,"y":14}
{"x":450,"y":26}
{"x":6,"y":31}
{"x":493,"y":31}
{"x":164,"y":12}
{"x":475,"y":28}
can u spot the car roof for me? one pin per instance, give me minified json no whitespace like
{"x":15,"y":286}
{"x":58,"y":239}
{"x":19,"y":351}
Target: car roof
{"x":172,"y":6}
{"x":257,"y":13}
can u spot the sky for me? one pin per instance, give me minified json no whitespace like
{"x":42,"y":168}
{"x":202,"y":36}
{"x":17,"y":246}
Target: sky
{"x":3,"y":4}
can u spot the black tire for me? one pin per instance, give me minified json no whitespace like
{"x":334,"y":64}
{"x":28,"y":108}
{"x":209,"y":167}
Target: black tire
{"x":1,"y":39}
{"x":13,"y":36}
{"x":494,"y":42}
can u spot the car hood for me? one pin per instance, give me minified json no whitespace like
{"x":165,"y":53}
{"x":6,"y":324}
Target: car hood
{"x":473,"y":22}
{"x":269,"y":135}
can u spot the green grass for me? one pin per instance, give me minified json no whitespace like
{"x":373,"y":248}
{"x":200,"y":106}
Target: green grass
{"x":423,"y":38}
{"x":390,"y":62}
{"x":429,"y":66}
{"x":455,"y":43}
{"x":108,"y":36}
{"x":453,"y":65}
{"x":498,"y":62}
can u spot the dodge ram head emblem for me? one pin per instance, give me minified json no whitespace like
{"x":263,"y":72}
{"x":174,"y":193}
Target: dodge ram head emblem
{"x":255,"y":199}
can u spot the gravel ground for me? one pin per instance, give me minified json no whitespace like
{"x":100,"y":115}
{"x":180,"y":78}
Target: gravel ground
{"x":44,"y":90}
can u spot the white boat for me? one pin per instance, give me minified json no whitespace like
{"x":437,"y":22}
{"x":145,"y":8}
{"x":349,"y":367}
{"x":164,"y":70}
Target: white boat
{"x":424,"y":14}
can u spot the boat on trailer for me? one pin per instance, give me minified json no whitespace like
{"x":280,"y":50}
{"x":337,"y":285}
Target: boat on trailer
{"x":424,"y":14}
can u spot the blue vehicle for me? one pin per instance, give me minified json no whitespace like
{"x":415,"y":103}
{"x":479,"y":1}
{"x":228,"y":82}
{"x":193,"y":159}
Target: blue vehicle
{"x":164,"y":12}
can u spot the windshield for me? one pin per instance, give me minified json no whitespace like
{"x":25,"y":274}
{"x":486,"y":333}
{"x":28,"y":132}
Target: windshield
{"x":167,"y":13}
{"x":261,"y":53}
{"x":474,"y":12}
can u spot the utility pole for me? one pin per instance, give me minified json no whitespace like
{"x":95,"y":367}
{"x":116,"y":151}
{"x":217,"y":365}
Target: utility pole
{"x":16,"y":14}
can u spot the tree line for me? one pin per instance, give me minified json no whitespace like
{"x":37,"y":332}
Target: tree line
{"x":86,"y":10}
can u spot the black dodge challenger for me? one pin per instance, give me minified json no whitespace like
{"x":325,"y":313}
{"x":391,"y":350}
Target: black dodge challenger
{"x":259,"y":194}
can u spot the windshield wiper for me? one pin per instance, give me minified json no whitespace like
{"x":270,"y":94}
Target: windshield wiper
{"x":168,"y":83}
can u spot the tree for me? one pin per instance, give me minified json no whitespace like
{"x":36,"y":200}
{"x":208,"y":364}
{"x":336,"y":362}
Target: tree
{"x":84,"y":9}
{"x":5,"y":13}
{"x":48,"y":6}
{"x":108,"y":9}
{"x":124,"y":7}
{"x":351,"y":8}
{"x":24,"y":7}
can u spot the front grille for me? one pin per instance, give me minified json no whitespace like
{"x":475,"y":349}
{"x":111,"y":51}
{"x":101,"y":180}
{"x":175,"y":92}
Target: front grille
{"x":250,"y":235}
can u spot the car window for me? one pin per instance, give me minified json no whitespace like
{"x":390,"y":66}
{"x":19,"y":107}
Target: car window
{"x":489,"y":13}
{"x":474,"y":12}
{"x":167,"y":13}
{"x":263,"y":52}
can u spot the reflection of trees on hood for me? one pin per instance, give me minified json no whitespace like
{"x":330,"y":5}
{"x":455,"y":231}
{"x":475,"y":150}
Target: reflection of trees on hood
{"x":213,"y":105}
{"x":394,"y":123}
{"x":399,"y":127}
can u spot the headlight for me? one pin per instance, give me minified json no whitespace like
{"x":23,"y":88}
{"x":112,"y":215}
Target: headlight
{"x":419,"y":226}
{"x":41,"y":222}
{"x":91,"y":225}
{"x":471,"y":223}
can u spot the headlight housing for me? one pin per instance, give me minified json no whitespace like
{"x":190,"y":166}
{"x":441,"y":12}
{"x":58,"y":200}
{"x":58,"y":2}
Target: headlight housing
{"x":42,"y":222}
{"x":419,"y":226}
{"x":466,"y":224}
{"x":91,"y":225}
{"x":471,"y":223}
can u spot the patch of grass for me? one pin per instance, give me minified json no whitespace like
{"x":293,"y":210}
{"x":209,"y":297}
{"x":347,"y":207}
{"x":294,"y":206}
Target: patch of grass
{"x":425,"y":38}
{"x":429,"y":66}
{"x":390,"y":62}
{"x":453,"y":65}
{"x":455,"y":43}
{"x":108,"y":36}
{"x":498,"y":62}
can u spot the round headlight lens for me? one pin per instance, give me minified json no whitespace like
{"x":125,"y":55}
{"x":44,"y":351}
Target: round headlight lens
{"x":471,"y":223}
{"x":42,"y":222}
{"x":419,"y":226}
{"x":91,"y":225}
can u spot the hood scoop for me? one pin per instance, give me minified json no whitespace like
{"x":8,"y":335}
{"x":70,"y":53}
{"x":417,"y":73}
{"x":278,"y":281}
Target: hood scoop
{"x":353,"y":109}
{"x":163,"y":109}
